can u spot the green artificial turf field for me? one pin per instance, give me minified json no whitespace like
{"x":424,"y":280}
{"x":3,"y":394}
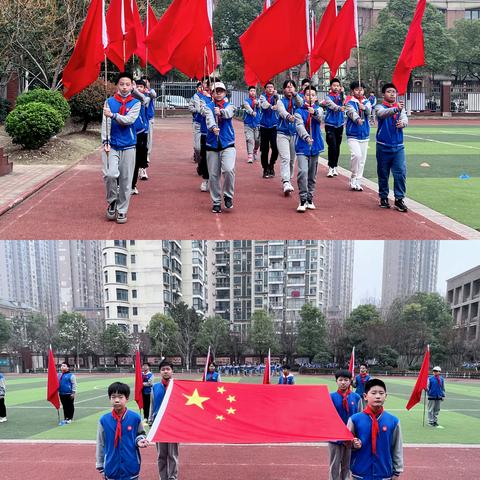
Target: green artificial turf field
{"x":437,"y":156}
{"x":30,"y":416}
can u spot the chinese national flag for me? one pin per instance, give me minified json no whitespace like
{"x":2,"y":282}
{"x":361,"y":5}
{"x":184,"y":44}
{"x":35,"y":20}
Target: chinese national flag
{"x":328,"y":20}
{"x":52,"y":382}
{"x":413,"y":52}
{"x":351,"y":363}
{"x":422,"y":381}
{"x":208,"y":412}
{"x":341,"y":38}
{"x":284,"y":30}
{"x":138,"y":381}
{"x":84,"y":65}
{"x":266,"y":373}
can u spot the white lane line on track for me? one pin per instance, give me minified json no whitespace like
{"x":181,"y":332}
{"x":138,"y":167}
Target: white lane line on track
{"x":443,"y":143}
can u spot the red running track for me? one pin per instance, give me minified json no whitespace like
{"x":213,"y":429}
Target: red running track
{"x":170,"y":204}
{"x":43,"y":461}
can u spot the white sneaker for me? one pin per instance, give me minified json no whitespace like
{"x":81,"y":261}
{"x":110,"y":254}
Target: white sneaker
{"x":335,"y":173}
{"x":142,"y":173}
{"x":135,"y":191}
{"x":311,"y":206}
{"x":204,"y":186}
{"x":3,"y":419}
{"x":358,"y":187}
{"x":68,"y":421}
{"x":250,"y":158}
{"x":330,"y":172}
{"x":287,"y":188}
{"x":302,"y":207}
{"x":353,"y":184}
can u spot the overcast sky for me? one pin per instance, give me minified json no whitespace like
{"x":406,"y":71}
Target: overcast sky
{"x":456,"y":256}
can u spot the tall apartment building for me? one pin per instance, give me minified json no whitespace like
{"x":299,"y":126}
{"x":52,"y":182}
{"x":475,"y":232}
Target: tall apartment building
{"x":29,"y":274}
{"x":409,"y":266}
{"x":463,"y":296}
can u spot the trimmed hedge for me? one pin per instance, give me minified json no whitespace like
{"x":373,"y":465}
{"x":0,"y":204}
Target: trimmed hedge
{"x":50,"y":97}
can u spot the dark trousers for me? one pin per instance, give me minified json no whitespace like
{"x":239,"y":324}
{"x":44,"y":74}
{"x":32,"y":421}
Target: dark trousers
{"x":202,"y":168}
{"x":141,"y":155}
{"x":3,"y":410}
{"x":268,"y":139}
{"x":334,"y":140}
{"x":146,"y":405}
{"x":68,"y":406}
{"x":391,"y":159}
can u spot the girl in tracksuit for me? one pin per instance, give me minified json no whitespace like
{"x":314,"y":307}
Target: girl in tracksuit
{"x":358,"y":133}
{"x":212,"y":374}
{"x":251,"y":122}
{"x":221,"y":153}
{"x":67,"y":391}
{"x":308,"y":145}
{"x":286,"y":133}
{"x":268,"y":129}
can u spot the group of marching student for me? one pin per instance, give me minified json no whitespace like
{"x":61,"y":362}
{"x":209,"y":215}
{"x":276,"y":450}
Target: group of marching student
{"x":289,"y":127}
{"x":127,"y":137}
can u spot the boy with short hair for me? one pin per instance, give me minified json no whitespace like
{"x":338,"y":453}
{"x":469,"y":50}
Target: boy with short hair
{"x":221,"y":153}
{"x":119,"y":139}
{"x":167,"y":452}
{"x":347,"y":403}
{"x":286,"y":378}
{"x":194,"y":109}
{"x":373,"y":102}
{"x":308,"y":145}
{"x":377,"y":445}
{"x":67,"y":391}
{"x":391,"y":119}
{"x":359,"y":382}
{"x":358,"y":133}
{"x":3,"y":390}
{"x":268,"y":129}
{"x":436,"y":395}
{"x":204,"y":100}
{"x":147,"y":382}
{"x":251,"y":122}
{"x":334,"y":121}
{"x":119,"y":436}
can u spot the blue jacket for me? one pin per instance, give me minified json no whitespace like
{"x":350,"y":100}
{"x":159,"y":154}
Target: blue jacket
{"x":226,"y":138}
{"x":269,"y":117}
{"x":248,"y":119}
{"x":434,"y":390}
{"x":141,"y":123}
{"x":290,"y":380}
{"x":201,"y":118}
{"x":387,"y":133}
{"x":360,"y":132}
{"x":361,"y":386}
{"x":123,"y":462}
{"x":66,"y":383}
{"x":151,"y":108}
{"x":353,"y":403}
{"x":334,"y":118}
{"x":284,"y":126}
{"x":366,"y":466}
{"x":212,"y":377}
{"x":158,"y":391}
{"x":148,"y":377}
{"x":301,"y":145}
{"x":122,"y":137}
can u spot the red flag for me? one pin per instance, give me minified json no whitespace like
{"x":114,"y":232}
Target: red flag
{"x":288,"y":45}
{"x":341,"y":38}
{"x":208,"y":412}
{"x":267,"y":4}
{"x":413,"y":52}
{"x":207,"y":363}
{"x":422,"y":381}
{"x":351,"y":364}
{"x":328,"y":20}
{"x":266,"y":373}
{"x":83,"y":67}
{"x":52,"y":382}
{"x":150,"y":21}
{"x":141,"y":49}
{"x":138,"y":381}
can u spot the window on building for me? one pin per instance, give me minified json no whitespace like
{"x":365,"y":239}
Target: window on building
{"x":132,"y":259}
{"x":472,"y":14}
{"x":122,"y":294}
{"x":105,"y":276}
{"x":135,"y":328}
{"x":121,"y":277}
{"x":120,"y":243}
{"x":134,"y":276}
{"x":120,"y":259}
{"x":107,"y":312}
{"x":134,"y":294}
{"x":106,"y":294}
{"x":105,"y":258}
{"x":132,"y":242}
{"x":122,"y":312}
{"x":135,"y":311}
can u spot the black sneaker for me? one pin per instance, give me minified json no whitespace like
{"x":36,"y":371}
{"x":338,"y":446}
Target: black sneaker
{"x":400,"y":205}
{"x":272,"y":172}
{"x":112,"y":211}
{"x":228,"y":201}
{"x":384,"y":203}
{"x":216,"y":208}
{"x":266,"y":173}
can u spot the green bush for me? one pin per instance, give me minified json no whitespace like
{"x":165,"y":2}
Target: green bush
{"x":88,"y":104}
{"x":33,"y":124}
{"x":4,"y":109}
{"x":50,"y":97}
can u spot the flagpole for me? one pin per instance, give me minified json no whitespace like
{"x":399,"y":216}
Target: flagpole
{"x":424,"y":405}
{"x":146,"y":35}
{"x":358,"y":43}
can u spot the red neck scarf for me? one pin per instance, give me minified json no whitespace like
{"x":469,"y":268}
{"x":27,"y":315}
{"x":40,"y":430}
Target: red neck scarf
{"x":221,"y":105}
{"x":118,"y":431}
{"x":438,"y":380}
{"x":345,"y":399}
{"x":337,"y":97}
{"x":391,"y":105}
{"x":254,"y":101}
{"x":269,"y":97}
{"x":308,"y":123}
{"x":363,"y":377}
{"x":165,"y":382}
{"x":123,"y":101}
{"x":375,"y":427}
{"x":290,"y":105}
{"x":285,"y":378}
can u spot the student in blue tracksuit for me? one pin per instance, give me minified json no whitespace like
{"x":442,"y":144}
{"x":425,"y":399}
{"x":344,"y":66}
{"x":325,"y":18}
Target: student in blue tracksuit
{"x":268,"y":130}
{"x":147,"y":381}
{"x":358,"y":133}
{"x":377,"y":445}
{"x":308,"y":145}
{"x":120,"y":434}
{"x":194,"y":109}
{"x":67,"y":391}
{"x":436,"y":395}
{"x":359,"y":382}
{"x":212,"y":374}
{"x":286,"y":378}
{"x":167,"y":452}
{"x":151,"y":119}
{"x":347,"y":403}
{"x":373,"y":102}
{"x":119,"y":139}
{"x":392,"y":119}
{"x":204,"y":99}
{"x":251,"y":123}
{"x":334,"y":121}
{"x":221,"y":153}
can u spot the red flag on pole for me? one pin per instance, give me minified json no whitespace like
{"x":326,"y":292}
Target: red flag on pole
{"x":150,"y":21}
{"x":288,"y":45}
{"x":422,"y":381}
{"x":267,"y":4}
{"x":341,"y":38}
{"x":208,"y":412}
{"x":52,"y":382}
{"x":413,"y":52}
{"x":138,"y":381}
{"x":351,"y":363}
{"x":328,"y":20}
{"x":207,"y":363}
{"x":140,"y":49}
{"x":84,"y":65}
{"x":266,"y":373}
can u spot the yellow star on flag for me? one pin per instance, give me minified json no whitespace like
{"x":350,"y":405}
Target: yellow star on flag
{"x":221,"y":390}
{"x":231,"y":398}
{"x":231,"y":411}
{"x":220,"y":417}
{"x":196,"y":399}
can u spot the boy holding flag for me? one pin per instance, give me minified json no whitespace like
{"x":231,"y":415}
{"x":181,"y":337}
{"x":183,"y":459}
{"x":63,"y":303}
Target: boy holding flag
{"x":436,"y":395}
{"x":67,"y":391}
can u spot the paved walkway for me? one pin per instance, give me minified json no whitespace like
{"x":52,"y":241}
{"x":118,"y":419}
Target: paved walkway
{"x":170,"y":204}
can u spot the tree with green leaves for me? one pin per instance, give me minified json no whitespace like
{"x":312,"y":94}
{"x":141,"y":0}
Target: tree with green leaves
{"x":5,"y":331}
{"x":467,"y":49}
{"x":262,"y":333}
{"x":73,"y":334}
{"x":115,"y":340}
{"x":213,"y":333}
{"x":30,"y":331}
{"x":312,"y":338}
{"x":163,"y":332}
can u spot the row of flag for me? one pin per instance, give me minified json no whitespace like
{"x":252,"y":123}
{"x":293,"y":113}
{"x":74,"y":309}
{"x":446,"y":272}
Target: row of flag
{"x":183,"y":38}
